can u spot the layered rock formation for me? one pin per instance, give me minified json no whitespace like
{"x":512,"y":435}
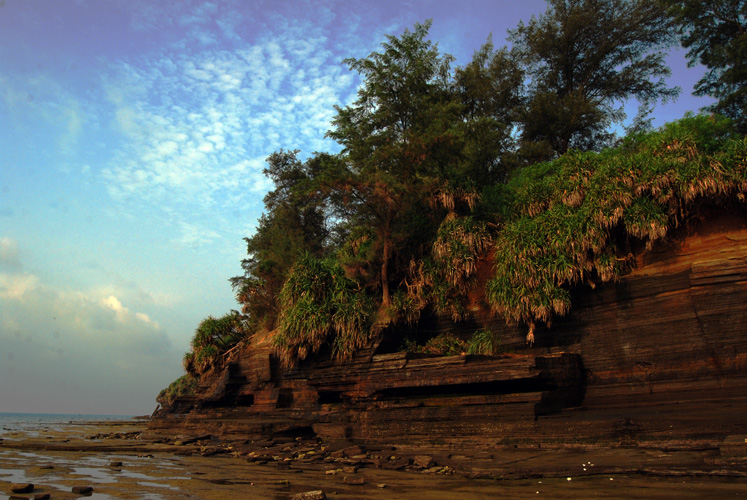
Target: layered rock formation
{"x":657,"y":357}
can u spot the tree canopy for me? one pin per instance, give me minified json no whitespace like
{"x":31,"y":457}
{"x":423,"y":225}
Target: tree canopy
{"x":715,"y":34}
{"x":507,"y":162}
{"x":585,"y":58}
{"x":397,"y":137}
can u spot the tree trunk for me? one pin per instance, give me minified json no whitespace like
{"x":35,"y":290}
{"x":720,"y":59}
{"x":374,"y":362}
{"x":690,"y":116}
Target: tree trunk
{"x":387,"y":250}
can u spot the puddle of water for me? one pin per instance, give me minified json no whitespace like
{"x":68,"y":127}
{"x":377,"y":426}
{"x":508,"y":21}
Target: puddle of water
{"x":157,"y":485}
{"x":95,"y":474}
{"x":14,"y":475}
{"x":134,"y":475}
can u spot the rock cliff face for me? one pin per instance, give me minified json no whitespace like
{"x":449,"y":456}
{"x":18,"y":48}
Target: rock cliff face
{"x":658,"y":356}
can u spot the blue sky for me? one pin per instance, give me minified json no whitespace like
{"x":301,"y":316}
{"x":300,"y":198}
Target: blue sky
{"x":132,"y":139}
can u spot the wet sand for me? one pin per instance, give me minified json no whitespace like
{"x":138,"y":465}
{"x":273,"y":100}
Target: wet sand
{"x":57,"y":458}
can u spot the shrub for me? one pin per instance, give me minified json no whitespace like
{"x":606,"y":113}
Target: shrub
{"x":574,"y":216}
{"x":212,"y":339}
{"x":484,"y":342}
{"x":183,"y":386}
{"x":321,"y":306}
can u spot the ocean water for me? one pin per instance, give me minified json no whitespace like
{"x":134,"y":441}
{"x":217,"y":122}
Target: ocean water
{"x":30,"y":422}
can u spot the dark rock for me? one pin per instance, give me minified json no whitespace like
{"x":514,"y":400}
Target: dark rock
{"x":396,"y":464}
{"x":82,"y":490}
{"x":657,"y":356}
{"x":424,"y":461}
{"x":115,"y":464}
{"x":21,"y":488}
{"x":354,"y":450}
{"x":42,"y":496}
{"x":16,"y":497}
{"x":354,"y":480}
{"x":310,"y":495}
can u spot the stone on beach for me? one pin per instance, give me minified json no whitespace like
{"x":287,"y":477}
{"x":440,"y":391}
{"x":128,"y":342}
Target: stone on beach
{"x":311,"y":495}
{"x":21,"y":488}
{"x":42,"y":496}
{"x":83,"y":490}
{"x":424,"y":461}
{"x":354,"y":480}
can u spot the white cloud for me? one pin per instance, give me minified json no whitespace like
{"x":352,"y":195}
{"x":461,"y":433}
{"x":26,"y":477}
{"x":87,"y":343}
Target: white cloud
{"x":9,"y":253}
{"x":15,"y":286}
{"x":200,"y":124}
{"x":79,"y":350}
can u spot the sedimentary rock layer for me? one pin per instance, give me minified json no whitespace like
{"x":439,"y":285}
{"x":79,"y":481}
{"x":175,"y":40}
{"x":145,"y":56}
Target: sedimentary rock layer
{"x":658,"y":356}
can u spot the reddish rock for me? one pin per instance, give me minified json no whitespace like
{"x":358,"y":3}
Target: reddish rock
{"x":658,"y":356}
{"x":354,"y":480}
{"x":424,"y":461}
{"x":21,"y":488}
{"x":310,"y":495}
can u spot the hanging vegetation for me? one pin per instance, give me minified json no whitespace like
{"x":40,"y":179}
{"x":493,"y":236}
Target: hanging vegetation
{"x":574,"y":216}
{"x":321,"y":306}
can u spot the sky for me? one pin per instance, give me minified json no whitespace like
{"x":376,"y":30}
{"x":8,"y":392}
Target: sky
{"x":132,"y":140}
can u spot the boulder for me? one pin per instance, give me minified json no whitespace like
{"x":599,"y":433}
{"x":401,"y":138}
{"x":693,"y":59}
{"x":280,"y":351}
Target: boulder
{"x":21,"y":488}
{"x":83,"y":490}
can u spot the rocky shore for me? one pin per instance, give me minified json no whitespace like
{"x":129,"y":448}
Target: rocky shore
{"x":121,"y":461}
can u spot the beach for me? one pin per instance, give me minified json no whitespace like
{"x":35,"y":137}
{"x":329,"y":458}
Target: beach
{"x":118,"y":462}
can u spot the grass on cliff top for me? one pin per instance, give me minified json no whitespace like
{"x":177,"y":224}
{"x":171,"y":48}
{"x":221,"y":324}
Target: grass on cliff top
{"x":573,"y":220}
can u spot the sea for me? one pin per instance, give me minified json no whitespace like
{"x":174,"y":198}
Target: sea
{"x":30,"y":422}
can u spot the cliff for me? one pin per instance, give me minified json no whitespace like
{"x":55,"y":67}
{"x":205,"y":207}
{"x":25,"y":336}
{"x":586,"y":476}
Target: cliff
{"x":657,"y":357}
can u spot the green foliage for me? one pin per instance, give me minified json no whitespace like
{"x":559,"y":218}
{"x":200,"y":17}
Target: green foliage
{"x":443,"y":278}
{"x":294,"y":222}
{"x":485,"y":342}
{"x":445,"y":344}
{"x":183,"y":386}
{"x":420,"y":192}
{"x":574,"y":216}
{"x":212,"y":339}
{"x":585,"y":57}
{"x":489,"y":90}
{"x":396,"y":138}
{"x":715,"y":32}
{"x":321,"y":306}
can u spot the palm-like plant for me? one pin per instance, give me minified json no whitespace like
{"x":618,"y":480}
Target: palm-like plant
{"x":570,"y":215}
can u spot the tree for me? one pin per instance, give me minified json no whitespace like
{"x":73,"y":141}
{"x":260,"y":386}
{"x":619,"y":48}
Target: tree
{"x":489,"y":91}
{"x":586,"y":57}
{"x":396,"y":137}
{"x":294,"y":222}
{"x":715,"y":32}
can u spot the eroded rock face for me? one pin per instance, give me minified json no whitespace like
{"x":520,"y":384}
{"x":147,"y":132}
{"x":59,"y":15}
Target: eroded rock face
{"x":658,"y":356}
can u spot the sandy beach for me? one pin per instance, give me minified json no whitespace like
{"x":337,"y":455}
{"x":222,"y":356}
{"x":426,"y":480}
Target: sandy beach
{"x":119,"y":463}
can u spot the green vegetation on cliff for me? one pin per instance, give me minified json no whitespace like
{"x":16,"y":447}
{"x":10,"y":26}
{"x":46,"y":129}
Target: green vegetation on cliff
{"x":575,"y":219}
{"x":507,"y":164}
